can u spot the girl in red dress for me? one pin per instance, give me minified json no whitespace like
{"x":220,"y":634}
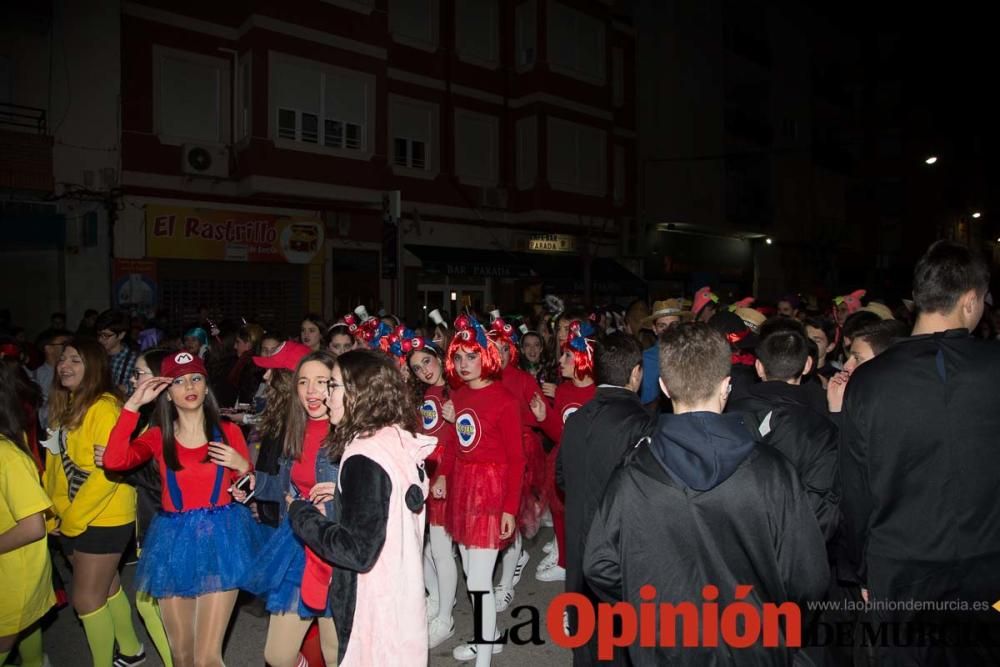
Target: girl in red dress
{"x":484,"y":489}
{"x":425,"y":361}
{"x":577,"y":366}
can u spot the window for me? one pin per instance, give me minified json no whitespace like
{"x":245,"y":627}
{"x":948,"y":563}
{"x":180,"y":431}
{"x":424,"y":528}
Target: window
{"x":618,"y":192}
{"x":477,"y":139}
{"x":244,"y":129}
{"x":410,"y":153}
{"x":321,"y":106}
{"x":476,"y":32}
{"x":618,"y":77}
{"x":576,"y":44}
{"x":527,"y":152}
{"x":525,"y":35}
{"x":413,"y":132}
{"x":414,"y":23}
{"x":192,"y":97}
{"x":577,"y":157}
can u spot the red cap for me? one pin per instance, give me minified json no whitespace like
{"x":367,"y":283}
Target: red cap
{"x":287,"y":356}
{"x":182,"y":363}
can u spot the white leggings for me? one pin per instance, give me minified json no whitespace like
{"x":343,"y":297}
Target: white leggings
{"x":510,"y":556}
{"x":478,"y":565}
{"x":440,"y":570}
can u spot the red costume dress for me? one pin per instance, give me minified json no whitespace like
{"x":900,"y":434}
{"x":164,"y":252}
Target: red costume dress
{"x":523,"y":386}
{"x":442,"y":459}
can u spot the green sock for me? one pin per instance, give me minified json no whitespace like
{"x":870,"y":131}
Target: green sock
{"x":30,"y":648}
{"x":150,"y":613}
{"x":100,"y":629}
{"x":121,"y":614}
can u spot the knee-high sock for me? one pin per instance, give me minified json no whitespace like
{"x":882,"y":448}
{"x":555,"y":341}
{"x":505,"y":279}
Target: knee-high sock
{"x":430,"y":575}
{"x":480,"y":578}
{"x":100,"y":629}
{"x":510,"y":556}
{"x":121,"y":614}
{"x":446,"y":569}
{"x":146,"y":605}
{"x":559,"y":526}
{"x":30,"y":649}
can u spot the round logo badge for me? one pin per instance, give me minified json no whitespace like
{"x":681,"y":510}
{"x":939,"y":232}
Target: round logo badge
{"x":183,"y":358}
{"x":430,"y":416}
{"x":467,"y":428}
{"x":568,"y":410}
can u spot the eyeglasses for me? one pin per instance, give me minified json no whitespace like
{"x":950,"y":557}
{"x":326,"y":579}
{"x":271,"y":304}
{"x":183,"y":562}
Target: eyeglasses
{"x":139,"y":373}
{"x":105,"y":336}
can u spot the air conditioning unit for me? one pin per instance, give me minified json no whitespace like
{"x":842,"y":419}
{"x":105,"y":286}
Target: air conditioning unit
{"x":493,"y":197}
{"x":205,"y":160}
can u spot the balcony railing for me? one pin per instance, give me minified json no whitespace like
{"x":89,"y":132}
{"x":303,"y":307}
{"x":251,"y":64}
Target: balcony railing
{"x":16,"y":115}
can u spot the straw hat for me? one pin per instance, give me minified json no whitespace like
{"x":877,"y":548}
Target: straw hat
{"x":668,"y":307}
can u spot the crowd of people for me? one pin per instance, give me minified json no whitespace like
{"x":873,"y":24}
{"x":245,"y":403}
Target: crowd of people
{"x":346,"y":476}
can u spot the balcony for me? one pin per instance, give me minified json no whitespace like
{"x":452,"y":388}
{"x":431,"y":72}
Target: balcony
{"x":25,"y":149}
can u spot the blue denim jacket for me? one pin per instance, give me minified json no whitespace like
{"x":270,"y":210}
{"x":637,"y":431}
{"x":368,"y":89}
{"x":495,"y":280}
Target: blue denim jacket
{"x":274,"y":487}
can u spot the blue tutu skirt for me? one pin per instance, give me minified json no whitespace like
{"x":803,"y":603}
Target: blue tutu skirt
{"x":207,"y":550}
{"x":278,"y":575}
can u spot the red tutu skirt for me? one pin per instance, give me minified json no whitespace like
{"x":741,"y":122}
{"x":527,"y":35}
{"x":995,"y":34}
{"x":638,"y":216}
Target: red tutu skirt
{"x":436,"y":511}
{"x":474,"y":508}
{"x":533,"y":501}
{"x":553,"y":495}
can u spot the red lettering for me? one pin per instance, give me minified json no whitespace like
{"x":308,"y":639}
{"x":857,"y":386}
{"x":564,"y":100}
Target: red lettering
{"x":647,"y":617}
{"x":162,"y":225}
{"x":669,"y":614}
{"x":772,"y":624}
{"x":607,"y":641}
{"x":584,"y":625}
{"x":731,"y":632}
{"x":191,"y":226}
{"x":710,"y":616}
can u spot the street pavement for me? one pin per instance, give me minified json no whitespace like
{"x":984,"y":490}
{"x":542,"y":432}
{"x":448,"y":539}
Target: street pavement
{"x":66,"y":645}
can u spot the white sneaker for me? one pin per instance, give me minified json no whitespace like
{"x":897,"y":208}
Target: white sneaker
{"x":433,"y":607}
{"x":503,"y":597}
{"x":549,"y":546}
{"x":548,"y":561}
{"x":467,"y":652}
{"x":522,"y":560}
{"x":554,"y":573}
{"x":439,"y":630}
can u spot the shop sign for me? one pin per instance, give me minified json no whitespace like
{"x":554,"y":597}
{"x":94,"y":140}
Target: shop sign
{"x":209,"y":234}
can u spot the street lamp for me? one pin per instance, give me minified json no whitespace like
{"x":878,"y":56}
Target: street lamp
{"x":977,"y":215}
{"x":931,"y":160}
{"x":768,"y":240}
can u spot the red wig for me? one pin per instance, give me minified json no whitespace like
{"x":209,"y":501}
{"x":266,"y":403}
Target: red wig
{"x":505,"y":335}
{"x":465,"y":341}
{"x":581,"y":347}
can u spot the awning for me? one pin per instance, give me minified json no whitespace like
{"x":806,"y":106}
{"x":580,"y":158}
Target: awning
{"x":472,"y":262}
{"x":558,"y":272}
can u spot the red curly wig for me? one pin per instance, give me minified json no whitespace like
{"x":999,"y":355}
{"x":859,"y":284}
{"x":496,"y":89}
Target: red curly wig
{"x":465,"y":341}
{"x":583,"y":361}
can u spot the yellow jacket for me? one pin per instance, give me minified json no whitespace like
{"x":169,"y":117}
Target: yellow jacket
{"x":100,"y":501}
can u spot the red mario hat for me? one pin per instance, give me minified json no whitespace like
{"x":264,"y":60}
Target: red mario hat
{"x":182,"y":363}
{"x":287,"y":356}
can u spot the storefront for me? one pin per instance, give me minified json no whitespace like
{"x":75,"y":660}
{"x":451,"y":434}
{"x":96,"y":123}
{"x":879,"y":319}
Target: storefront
{"x":240,"y":264}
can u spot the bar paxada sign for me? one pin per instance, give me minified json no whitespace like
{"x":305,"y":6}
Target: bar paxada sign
{"x":198,"y":233}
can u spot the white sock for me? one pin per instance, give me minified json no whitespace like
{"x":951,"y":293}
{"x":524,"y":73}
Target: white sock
{"x":479,"y":564}
{"x":510,"y":556}
{"x":430,"y":575}
{"x":446,"y":570}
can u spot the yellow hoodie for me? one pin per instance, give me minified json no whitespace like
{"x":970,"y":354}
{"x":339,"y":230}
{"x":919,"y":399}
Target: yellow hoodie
{"x":99,"y":502}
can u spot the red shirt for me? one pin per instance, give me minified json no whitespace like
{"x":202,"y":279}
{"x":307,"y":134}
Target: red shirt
{"x":488,"y":430}
{"x":523,"y":386}
{"x":304,"y":470}
{"x":442,"y":459}
{"x":196,"y":479}
{"x":569,"y":399}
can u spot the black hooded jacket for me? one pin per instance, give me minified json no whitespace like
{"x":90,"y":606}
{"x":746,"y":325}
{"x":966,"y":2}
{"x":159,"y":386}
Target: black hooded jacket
{"x":703,"y":503}
{"x":786,"y":419}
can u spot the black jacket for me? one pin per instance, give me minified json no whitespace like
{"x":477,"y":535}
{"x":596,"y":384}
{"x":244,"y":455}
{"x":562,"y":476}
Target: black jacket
{"x":786,"y":419}
{"x":594,"y":440}
{"x":354,"y":541}
{"x":920,"y":461}
{"x":703,"y":503}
